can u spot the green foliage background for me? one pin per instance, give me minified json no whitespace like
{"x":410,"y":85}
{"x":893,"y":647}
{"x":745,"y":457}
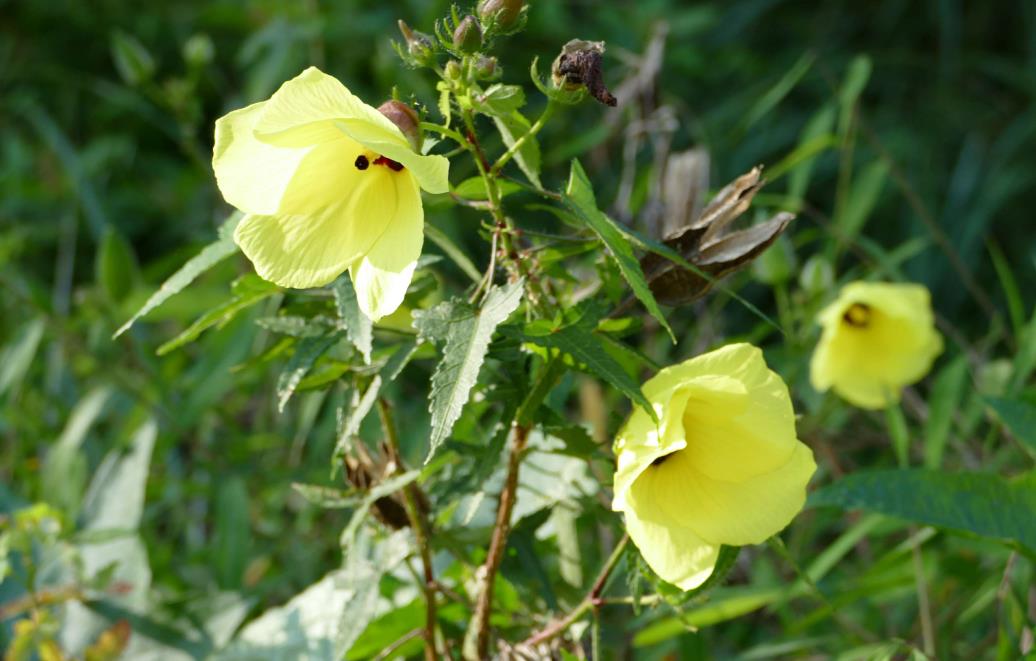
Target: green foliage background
{"x":901,"y":132}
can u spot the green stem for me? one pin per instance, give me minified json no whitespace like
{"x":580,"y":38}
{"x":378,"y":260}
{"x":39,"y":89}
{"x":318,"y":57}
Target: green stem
{"x":520,"y":142}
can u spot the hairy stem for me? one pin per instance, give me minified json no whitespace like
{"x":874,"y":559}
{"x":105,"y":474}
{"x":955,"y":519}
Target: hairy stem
{"x":476,"y":642}
{"x":592,"y":600}
{"x":420,"y":528}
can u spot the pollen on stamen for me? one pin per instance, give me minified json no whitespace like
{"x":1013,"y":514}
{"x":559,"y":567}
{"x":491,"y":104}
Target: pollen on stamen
{"x":395,"y":166}
{"x":361,"y":162}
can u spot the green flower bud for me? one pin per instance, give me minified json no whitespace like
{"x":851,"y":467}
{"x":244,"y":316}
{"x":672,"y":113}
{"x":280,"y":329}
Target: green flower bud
{"x":486,"y":68}
{"x":198,"y":50}
{"x":503,"y":15}
{"x":467,"y":38}
{"x":453,"y":70}
{"x":405,"y":118}
{"x":419,"y":46}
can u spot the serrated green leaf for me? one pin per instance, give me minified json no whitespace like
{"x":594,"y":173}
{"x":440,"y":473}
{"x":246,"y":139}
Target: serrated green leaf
{"x":307,"y":351}
{"x":578,"y":341}
{"x":211,"y":255}
{"x":247,"y":291}
{"x":500,"y":100}
{"x":296,"y":326}
{"x":512,"y":127}
{"x":467,"y":333}
{"x":358,"y":328}
{"x":581,"y":201}
{"x":981,"y":503}
{"x":1018,"y":416}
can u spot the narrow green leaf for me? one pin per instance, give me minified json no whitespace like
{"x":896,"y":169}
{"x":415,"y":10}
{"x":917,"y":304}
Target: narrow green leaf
{"x":944,"y":401}
{"x":512,"y":127}
{"x":981,"y":503}
{"x":115,"y":266}
{"x":803,"y":153}
{"x":467,"y":333}
{"x":863,"y":197}
{"x":132,"y":59}
{"x":358,"y":328}
{"x":581,"y":201}
{"x":822,"y":123}
{"x":231,"y":537}
{"x":578,"y":341}
{"x":775,"y":94}
{"x":350,"y":427}
{"x":65,"y":467}
{"x":307,"y":351}
{"x":1018,"y":416}
{"x":211,"y":255}
{"x":17,"y":356}
{"x":474,"y":188}
{"x":247,"y":291}
{"x":439,"y":238}
{"x":852,"y":87}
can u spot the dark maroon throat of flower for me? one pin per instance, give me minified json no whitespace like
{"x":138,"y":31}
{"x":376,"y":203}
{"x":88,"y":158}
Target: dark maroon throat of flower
{"x":362,"y":163}
{"x":858,"y":315}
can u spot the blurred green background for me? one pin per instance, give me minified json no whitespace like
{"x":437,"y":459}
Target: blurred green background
{"x":909,"y":123}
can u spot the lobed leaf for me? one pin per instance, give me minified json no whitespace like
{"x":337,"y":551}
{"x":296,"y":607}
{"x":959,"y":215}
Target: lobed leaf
{"x":466,"y":333}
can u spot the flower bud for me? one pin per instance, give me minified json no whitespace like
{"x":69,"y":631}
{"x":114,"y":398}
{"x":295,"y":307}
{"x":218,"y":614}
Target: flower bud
{"x":419,"y":46}
{"x":405,"y":118}
{"x":486,"y":68}
{"x":502,"y":15}
{"x":467,"y":38}
{"x":579,"y":65}
{"x":453,"y":70}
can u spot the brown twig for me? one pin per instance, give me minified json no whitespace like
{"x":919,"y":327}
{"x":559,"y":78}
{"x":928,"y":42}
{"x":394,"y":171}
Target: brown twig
{"x":476,"y":642}
{"x":411,"y":498}
{"x":591,"y":601}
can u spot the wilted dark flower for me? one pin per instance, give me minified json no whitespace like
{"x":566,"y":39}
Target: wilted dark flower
{"x":364,"y":472}
{"x":707,"y":243}
{"x":579,"y":65}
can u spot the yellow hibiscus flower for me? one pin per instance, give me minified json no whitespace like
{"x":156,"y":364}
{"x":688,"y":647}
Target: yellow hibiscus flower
{"x":877,"y":338}
{"x":328,"y":184}
{"x":722,"y":467}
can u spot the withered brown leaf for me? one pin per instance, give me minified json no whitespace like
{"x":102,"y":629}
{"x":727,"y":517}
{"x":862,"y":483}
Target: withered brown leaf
{"x":708,"y":244}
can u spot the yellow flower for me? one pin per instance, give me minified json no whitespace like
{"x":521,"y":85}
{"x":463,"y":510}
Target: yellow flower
{"x":722,"y":467}
{"x":877,"y":337}
{"x":328,"y":184}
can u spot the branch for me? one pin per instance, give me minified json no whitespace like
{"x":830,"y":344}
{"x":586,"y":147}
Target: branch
{"x":476,"y":641}
{"x":418,"y":524}
{"x":592,"y":600}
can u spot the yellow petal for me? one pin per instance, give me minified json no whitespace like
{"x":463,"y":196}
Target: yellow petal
{"x":303,"y":111}
{"x":674,"y":494}
{"x":676,"y":554}
{"x":382,"y":276}
{"x":251,"y":174}
{"x":311,"y":250}
{"x":432,"y":172}
{"x":868,"y":364}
